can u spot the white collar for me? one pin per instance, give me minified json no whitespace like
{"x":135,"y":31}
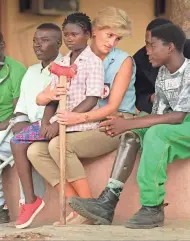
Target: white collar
{"x":46,"y":69}
{"x":181,"y":69}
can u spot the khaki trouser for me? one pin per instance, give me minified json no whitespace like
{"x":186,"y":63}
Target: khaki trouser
{"x":44,"y":156}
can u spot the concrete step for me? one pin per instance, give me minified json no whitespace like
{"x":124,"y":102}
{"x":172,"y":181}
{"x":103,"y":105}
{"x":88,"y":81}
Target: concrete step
{"x":173,"y":230}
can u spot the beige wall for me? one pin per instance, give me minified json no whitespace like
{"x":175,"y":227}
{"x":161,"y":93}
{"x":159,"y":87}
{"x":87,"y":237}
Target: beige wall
{"x":179,"y":12}
{"x":19,"y":28}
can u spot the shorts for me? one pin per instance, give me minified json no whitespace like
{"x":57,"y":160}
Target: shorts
{"x":29,"y":135}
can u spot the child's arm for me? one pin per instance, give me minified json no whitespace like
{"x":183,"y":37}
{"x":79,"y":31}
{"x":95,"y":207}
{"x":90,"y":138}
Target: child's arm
{"x":49,"y":111}
{"x":94,"y":86}
{"x":86,"y":105}
{"x":49,"y":130}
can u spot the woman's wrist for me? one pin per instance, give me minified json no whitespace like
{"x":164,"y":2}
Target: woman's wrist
{"x":84,"y":118}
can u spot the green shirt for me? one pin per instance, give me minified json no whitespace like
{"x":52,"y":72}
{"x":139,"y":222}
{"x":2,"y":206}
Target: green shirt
{"x":10,"y":87}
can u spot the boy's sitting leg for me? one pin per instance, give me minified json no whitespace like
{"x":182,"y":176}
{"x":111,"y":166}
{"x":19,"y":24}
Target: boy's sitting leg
{"x":19,"y":145}
{"x":162,"y":144}
{"x":39,"y":186}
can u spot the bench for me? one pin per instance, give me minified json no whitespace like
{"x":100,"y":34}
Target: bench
{"x":98,"y":171}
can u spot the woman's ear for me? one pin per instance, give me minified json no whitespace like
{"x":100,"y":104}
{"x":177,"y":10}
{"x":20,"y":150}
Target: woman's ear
{"x":94,"y":30}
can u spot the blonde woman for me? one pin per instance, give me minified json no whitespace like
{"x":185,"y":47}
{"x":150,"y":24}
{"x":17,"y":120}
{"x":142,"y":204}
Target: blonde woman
{"x":109,"y":27}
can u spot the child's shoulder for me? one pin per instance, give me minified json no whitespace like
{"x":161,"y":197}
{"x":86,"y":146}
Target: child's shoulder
{"x":186,"y":74}
{"x":34,"y":67}
{"x":185,"y":68}
{"x":95,"y":58}
{"x":92,"y":57}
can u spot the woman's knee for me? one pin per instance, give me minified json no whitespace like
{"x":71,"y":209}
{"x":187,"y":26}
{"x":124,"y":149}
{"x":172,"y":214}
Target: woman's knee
{"x":53,"y":145}
{"x":34,"y":151}
{"x":54,"y":149}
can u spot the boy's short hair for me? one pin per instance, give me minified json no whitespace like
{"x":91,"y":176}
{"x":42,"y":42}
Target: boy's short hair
{"x":80,"y":19}
{"x":116,"y":18}
{"x":157,"y":22}
{"x":170,"y":33}
{"x":52,"y":26}
{"x":49,"y":26}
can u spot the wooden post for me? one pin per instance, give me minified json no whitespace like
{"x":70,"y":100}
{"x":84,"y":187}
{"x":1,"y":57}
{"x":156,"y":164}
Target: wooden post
{"x":62,"y":135}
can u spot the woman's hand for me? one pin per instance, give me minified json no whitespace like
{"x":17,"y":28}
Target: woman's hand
{"x":69,"y":118}
{"x":56,"y":93}
{"x":50,"y":93}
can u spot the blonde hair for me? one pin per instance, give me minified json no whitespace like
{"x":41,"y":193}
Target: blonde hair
{"x":115,"y":18}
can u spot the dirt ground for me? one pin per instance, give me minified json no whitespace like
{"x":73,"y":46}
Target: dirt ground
{"x":173,"y":230}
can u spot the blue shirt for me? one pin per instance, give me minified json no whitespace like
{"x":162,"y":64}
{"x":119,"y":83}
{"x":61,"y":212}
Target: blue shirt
{"x":112,"y":64}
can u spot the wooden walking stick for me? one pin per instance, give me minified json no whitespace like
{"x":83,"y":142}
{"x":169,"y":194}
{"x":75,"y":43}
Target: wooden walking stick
{"x":62,"y":144}
{"x":63,"y":73}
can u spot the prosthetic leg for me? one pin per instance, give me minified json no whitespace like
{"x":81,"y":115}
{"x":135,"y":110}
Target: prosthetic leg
{"x":101,"y":210}
{"x":126,"y":156}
